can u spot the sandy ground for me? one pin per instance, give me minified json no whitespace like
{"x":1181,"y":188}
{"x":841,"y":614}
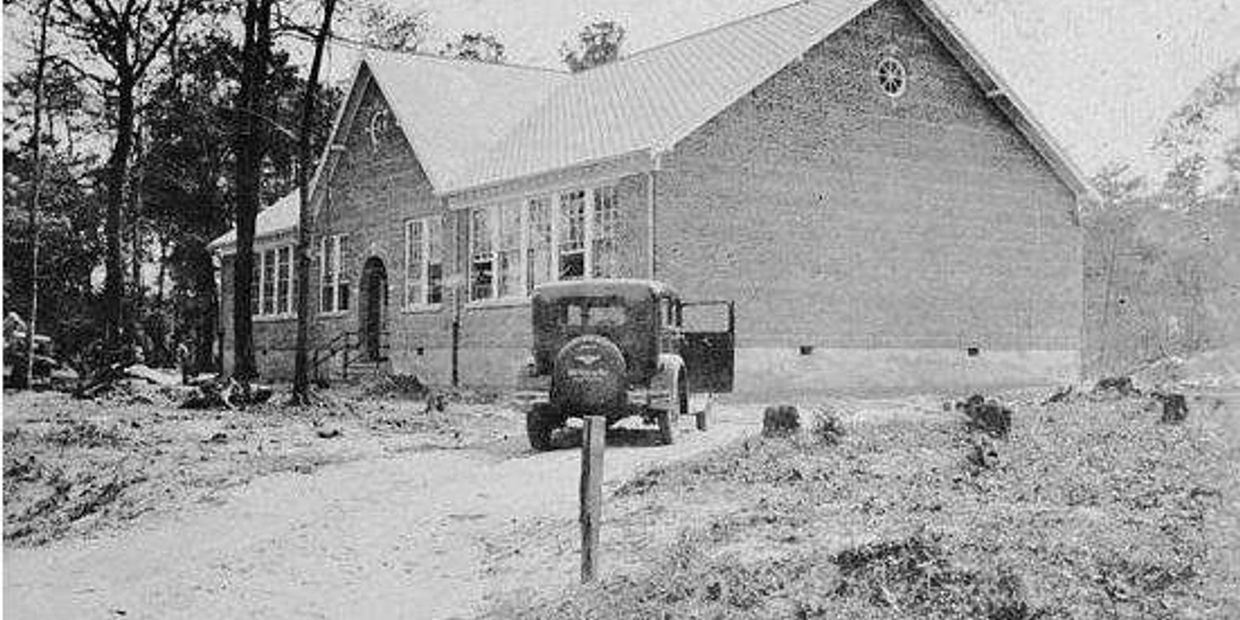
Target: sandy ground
{"x":416,"y":534}
{"x":393,"y":523}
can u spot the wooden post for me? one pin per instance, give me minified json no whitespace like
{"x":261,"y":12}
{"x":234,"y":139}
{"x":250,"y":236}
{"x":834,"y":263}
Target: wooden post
{"x":592,"y":443}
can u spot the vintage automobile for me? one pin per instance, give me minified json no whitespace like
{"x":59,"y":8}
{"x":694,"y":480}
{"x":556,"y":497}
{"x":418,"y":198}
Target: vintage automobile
{"x":619,"y":348}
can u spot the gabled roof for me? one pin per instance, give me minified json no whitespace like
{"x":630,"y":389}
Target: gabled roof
{"x":451,"y":110}
{"x":474,"y":125}
{"x":998,"y":90}
{"x":279,"y":217}
{"x":654,"y":98}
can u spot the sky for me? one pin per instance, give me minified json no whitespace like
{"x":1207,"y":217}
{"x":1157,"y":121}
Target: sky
{"x":1101,"y":74}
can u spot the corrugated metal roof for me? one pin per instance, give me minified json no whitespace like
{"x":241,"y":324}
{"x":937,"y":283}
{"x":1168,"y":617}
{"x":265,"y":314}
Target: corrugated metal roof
{"x":280,"y":217}
{"x":475,"y":124}
{"x":655,"y":97}
{"x":451,"y":110}
{"x":448,"y":109}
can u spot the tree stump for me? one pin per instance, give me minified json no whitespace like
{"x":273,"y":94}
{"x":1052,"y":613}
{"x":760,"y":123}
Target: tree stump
{"x":1175,"y":407}
{"x":780,"y":421}
{"x":1119,"y":385}
{"x":988,"y":417}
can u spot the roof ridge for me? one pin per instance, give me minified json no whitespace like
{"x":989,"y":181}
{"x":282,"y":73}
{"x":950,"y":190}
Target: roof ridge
{"x":461,"y":61}
{"x":698,"y":33}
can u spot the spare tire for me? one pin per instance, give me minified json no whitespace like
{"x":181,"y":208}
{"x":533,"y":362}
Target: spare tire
{"x":588,"y":377}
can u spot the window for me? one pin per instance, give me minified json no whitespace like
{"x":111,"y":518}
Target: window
{"x":496,"y":238}
{"x":333,"y":275}
{"x":423,"y":262}
{"x":380,"y":125}
{"x":482,"y":259}
{"x":572,"y":235}
{"x":892,"y":78}
{"x":508,"y":251}
{"x":516,"y":246}
{"x":284,"y":280}
{"x":269,"y":282}
{"x":538,"y":255}
{"x":605,"y":249}
{"x":594,"y":313}
{"x":434,"y":261}
{"x":271,"y":289}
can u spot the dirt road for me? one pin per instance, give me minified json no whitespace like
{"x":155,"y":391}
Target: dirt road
{"x":409,"y":536}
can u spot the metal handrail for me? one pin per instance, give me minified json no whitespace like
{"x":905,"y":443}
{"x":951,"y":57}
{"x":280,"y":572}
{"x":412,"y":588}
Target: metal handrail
{"x":345,"y":343}
{"x":329,"y":350}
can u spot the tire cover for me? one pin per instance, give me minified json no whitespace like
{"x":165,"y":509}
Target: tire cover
{"x":589,"y":375}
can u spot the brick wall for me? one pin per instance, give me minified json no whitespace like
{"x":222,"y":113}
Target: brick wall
{"x":834,"y":216}
{"x":371,"y":193}
{"x":838,"y":217}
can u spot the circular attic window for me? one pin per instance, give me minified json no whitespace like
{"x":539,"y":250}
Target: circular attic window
{"x":380,"y":125}
{"x":892,"y":77}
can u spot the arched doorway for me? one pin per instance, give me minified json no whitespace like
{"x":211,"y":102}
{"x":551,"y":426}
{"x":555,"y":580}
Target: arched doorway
{"x":373,"y":308}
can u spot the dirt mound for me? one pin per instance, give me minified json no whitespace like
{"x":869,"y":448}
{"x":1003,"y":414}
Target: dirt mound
{"x":67,"y":493}
{"x":1090,"y":506}
{"x":914,"y":576}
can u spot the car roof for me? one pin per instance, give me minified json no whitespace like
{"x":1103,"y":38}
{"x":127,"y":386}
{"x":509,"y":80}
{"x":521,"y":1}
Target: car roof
{"x":628,"y":288}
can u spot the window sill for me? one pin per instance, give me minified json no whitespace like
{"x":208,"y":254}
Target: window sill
{"x":422,"y":309}
{"x":272,"y":318}
{"x":507,"y":302}
{"x":335,"y":314}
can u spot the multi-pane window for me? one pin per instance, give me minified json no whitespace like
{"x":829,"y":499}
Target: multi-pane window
{"x":538,"y":242}
{"x":269,"y":282}
{"x":423,"y":262}
{"x":605,"y":242}
{"x":481,"y":255}
{"x":496,"y":238}
{"x":508,"y":250}
{"x":571,"y":235}
{"x":333,"y":273}
{"x":271,"y":287}
{"x":434,"y":261}
{"x":284,"y":280}
{"x":415,"y":263}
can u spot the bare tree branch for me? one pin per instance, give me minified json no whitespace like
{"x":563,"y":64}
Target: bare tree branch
{"x":141,"y":64}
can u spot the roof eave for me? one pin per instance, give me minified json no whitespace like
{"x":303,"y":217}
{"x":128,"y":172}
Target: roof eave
{"x":230,"y":246}
{"x":640,"y":160}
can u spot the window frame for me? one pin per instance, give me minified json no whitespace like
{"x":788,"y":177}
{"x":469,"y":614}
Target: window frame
{"x":891,"y":72}
{"x":427,"y":242}
{"x":336,"y":278}
{"x":553,"y":199}
{"x":265,"y":286}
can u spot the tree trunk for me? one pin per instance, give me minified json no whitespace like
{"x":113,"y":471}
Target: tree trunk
{"x":301,"y":379}
{"x":251,"y":147}
{"x":136,"y":298}
{"x":118,"y":172}
{"x":36,"y":135}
